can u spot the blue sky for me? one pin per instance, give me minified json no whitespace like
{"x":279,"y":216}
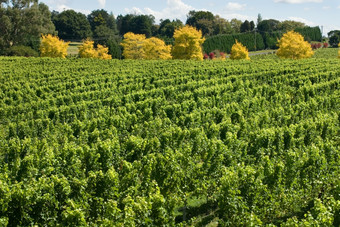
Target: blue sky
{"x":325,"y":13}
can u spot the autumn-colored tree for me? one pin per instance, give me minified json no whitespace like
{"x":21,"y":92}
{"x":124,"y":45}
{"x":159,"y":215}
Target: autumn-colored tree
{"x":238,"y":51}
{"x":293,"y":46}
{"x":102,"y":52}
{"x":133,"y":45}
{"x":52,"y":46}
{"x":87,"y":50}
{"x":155,"y":48}
{"x":188,"y":43}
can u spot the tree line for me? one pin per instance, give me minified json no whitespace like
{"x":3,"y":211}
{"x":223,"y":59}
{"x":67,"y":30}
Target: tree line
{"x":23,"y":21}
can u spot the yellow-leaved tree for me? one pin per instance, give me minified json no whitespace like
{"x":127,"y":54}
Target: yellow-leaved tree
{"x":52,"y":46}
{"x":87,"y":50}
{"x":238,"y":52}
{"x":133,"y":45}
{"x":293,"y":46}
{"x":155,"y":48}
{"x":188,"y":43}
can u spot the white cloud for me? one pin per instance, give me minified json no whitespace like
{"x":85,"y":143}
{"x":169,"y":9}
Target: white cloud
{"x":238,"y":16}
{"x":298,"y":1}
{"x":234,"y":6}
{"x":102,"y":3}
{"x":134,"y":10}
{"x":62,"y":5}
{"x":175,"y":9}
{"x":326,"y":7}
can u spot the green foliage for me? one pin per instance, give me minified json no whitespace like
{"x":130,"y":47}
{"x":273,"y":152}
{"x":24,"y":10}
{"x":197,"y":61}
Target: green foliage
{"x":225,"y":42}
{"x":270,"y":25}
{"x":72,"y":25}
{"x":167,"y":27}
{"x":271,"y":39}
{"x":23,"y":51}
{"x":310,"y":33}
{"x":114,"y":48}
{"x":22,"y":24}
{"x":334,"y":38}
{"x":138,"y":24}
{"x":264,"y":40}
{"x":85,"y":142}
{"x":201,"y":20}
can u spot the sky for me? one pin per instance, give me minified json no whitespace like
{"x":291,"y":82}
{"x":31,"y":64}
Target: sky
{"x":323,"y":13}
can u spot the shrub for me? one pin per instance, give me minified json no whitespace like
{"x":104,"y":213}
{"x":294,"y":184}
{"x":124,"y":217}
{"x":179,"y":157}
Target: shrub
{"x":52,"y":46}
{"x":114,"y":48}
{"x":188,"y":43}
{"x":293,"y":46}
{"x":339,"y":52}
{"x":155,"y":48}
{"x":212,"y":55}
{"x":87,"y":50}
{"x":315,"y":46}
{"x":325,"y":45}
{"x":238,"y":51}
{"x":205,"y":56}
{"x":138,"y":47}
{"x":23,"y":51}
{"x":133,"y":45}
{"x":102,"y":52}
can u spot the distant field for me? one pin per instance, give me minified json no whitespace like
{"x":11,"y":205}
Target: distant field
{"x":73,"y":48}
{"x":88,"y":142}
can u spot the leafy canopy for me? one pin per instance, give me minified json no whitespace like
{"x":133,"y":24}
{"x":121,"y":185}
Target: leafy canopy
{"x":293,"y":46}
{"x":87,"y":50}
{"x":188,"y":43}
{"x":155,"y":48}
{"x":133,"y":45}
{"x":238,"y":52}
{"x":52,"y":46}
{"x":138,"y":47}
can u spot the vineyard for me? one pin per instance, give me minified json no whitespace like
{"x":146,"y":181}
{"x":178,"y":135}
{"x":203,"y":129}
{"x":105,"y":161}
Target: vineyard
{"x":87,"y":142}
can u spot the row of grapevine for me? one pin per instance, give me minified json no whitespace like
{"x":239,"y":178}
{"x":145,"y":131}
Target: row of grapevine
{"x":130,"y":143}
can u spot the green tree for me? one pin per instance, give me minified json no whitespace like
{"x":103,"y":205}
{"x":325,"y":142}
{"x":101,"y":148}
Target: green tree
{"x":72,"y":25}
{"x":236,"y":25}
{"x":245,"y":26}
{"x":138,"y":24}
{"x":334,"y":38}
{"x":201,"y":20}
{"x":289,"y":25}
{"x":22,"y":23}
{"x":142,"y":24}
{"x":167,"y":27}
{"x":268,"y":25}
{"x":252,"y":25}
{"x":105,"y":21}
{"x":124,"y":23}
{"x":222,"y":26}
{"x":259,"y":19}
